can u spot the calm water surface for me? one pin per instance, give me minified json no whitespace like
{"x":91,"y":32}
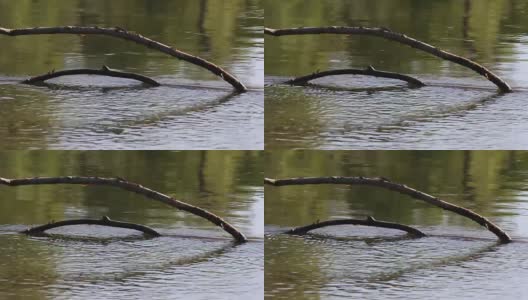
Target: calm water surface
{"x":193,"y":259}
{"x":457,"y":110}
{"x":192,"y":109}
{"x":458,"y":260}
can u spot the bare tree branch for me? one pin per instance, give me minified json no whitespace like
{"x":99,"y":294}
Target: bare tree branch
{"x":369,"y":71}
{"x":133,"y":187}
{"x":398,"y":37}
{"x":104,"y":71}
{"x":369,"y":221}
{"x":104,"y":221}
{"x":121,"y":33}
{"x":400,"y":188}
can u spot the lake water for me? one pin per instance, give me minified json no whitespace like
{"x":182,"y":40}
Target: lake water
{"x":457,"y":260}
{"x":457,"y":110}
{"x":193,"y":109}
{"x":192,"y":259}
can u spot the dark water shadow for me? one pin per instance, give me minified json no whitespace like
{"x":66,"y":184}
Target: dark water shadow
{"x":332,"y":88}
{"x":474,"y":238}
{"x":271,"y":232}
{"x":132,"y":86}
{"x":154,"y":119}
{"x":140,"y":86}
{"x":227,"y":245}
{"x":187,"y":261}
{"x":493,"y":246}
{"x":77,"y":87}
{"x":369,"y":90}
{"x":367,"y":240}
{"x":442,"y":262}
{"x":433,"y":116}
{"x":91,"y":88}
{"x":272,"y":81}
{"x":416,"y":119}
{"x":91,"y":239}
{"x":123,"y":238}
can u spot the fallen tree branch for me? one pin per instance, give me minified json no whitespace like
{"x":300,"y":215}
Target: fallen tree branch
{"x":104,"y":221}
{"x":133,"y":187}
{"x":121,"y":33}
{"x":104,"y":71}
{"x":369,"y":71}
{"x":398,"y":37}
{"x":369,"y":221}
{"x":400,"y":188}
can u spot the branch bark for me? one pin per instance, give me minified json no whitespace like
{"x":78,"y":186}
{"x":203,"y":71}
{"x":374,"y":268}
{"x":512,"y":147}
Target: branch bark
{"x":369,"y":221}
{"x":104,"y":221}
{"x":104,"y":71}
{"x":369,"y":71}
{"x":132,"y":187}
{"x":121,"y":33}
{"x":400,"y":188}
{"x":400,"y":38}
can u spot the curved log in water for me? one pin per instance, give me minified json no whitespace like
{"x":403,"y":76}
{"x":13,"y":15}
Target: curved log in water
{"x":369,"y":71}
{"x":369,"y":221}
{"x":133,"y":187}
{"x":121,"y":33}
{"x":104,"y":221}
{"x":400,"y":188}
{"x":104,"y":71}
{"x":400,"y":38}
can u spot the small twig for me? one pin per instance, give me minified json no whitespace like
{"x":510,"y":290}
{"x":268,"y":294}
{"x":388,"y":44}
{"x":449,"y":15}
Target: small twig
{"x":104,"y":71}
{"x":369,"y":221}
{"x":104,"y":221}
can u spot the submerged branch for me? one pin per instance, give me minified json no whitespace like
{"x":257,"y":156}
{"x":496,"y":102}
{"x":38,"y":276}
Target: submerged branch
{"x":104,"y":221}
{"x":121,"y":33}
{"x":369,"y":71}
{"x":104,"y":71}
{"x":400,"y":188}
{"x":133,"y":187}
{"x":369,"y":221}
{"x":398,"y":37}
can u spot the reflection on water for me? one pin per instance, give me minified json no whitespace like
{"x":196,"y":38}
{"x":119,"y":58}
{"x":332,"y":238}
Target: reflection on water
{"x":458,"y":259}
{"x":193,"y":258}
{"x":354,"y":112}
{"x":76,"y":112}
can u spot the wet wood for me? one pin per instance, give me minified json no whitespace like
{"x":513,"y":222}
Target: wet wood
{"x":121,"y":33}
{"x":132,"y":187}
{"x":400,"y":38}
{"x":400,"y":188}
{"x":104,"y":221}
{"x":369,"y":71}
{"x":369,"y":221}
{"x":104,"y":71}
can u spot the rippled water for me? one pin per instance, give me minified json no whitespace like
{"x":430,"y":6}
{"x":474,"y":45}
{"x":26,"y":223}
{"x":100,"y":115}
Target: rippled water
{"x":167,"y":117}
{"x":457,"y":110}
{"x":395,"y":268}
{"x":457,"y":260}
{"x":396,"y":118}
{"x":191,"y":110}
{"x":130,"y":266}
{"x":193,"y":259}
